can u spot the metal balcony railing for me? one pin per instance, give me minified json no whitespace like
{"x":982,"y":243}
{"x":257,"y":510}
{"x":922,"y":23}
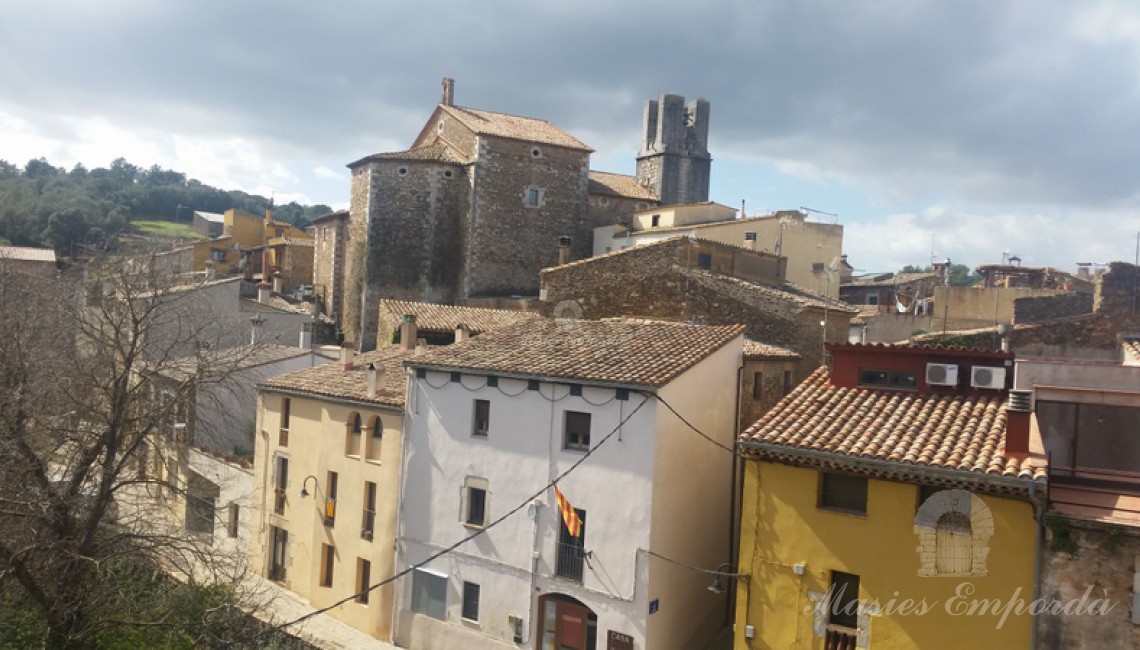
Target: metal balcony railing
{"x":279,"y":501}
{"x":569,"y":561}
{"x":840,"y":638}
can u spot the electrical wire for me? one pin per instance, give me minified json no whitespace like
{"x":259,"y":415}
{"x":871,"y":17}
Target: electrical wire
{"x":711,"y":572}
{"x":690,"y":424}
{"x":449,"y":549}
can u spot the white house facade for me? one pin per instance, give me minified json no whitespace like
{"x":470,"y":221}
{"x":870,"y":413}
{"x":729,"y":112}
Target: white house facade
{"x":491,"y":422}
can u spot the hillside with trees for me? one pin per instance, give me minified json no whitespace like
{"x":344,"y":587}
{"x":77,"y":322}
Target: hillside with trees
{"x":48,"y":206}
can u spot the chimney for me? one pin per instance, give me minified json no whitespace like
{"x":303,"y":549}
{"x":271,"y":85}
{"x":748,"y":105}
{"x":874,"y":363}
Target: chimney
{"x":255,"y":324}
{"x":462,"y":333}
{"x":447,"y":93}
{"x":408,"y":333}
{"x":263,"y":293}
{"x":347,"y":352}
{"x":306,"y":337}
{"x":421,"y":347}
{"x":278,"y":283}
{"x":1018,"y":412}
{"x":210,"y":272}
{"x":564,"y":250}
{"x":371,"y":381}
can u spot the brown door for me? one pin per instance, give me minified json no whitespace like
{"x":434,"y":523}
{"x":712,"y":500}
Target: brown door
{"x":566,"y":625}
{"x":572,"y":626}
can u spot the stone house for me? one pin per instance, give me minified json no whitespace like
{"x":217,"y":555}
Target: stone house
{"x":439,"y":324}
{"x":208,"y":224}
{"x":769,"y":374}
{"x":692,"y":280}
{"x":33,"y":261}
{"x":481,"y":200}
{"x":330,"y":236}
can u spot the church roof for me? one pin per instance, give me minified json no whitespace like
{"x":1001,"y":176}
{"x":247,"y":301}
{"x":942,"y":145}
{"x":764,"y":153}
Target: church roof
{"x":622,"y":185}
{"x":437,"y":152}
{"x":514,"y":127}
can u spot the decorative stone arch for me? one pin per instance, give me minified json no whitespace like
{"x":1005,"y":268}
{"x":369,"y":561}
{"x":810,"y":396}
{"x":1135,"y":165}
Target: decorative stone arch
{"x":954,"y":529}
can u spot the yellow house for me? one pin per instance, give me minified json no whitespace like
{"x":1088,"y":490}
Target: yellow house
{"x":326,"y":480}
{"x":891,"y":502}
{"x":242,"y":231}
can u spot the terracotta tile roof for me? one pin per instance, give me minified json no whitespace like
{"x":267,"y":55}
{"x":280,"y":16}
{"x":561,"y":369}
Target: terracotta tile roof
{"x":906,"y":432}
{"x":514,"y":127}
{"x":615,"y":352}
{"x":437,"y":152}
{"x":431,"y":317}
{"x":889,"y":279}
{"x":622,"y":185}
{"x":758,"y":350}
{"x":330,"y":381}
{"x":339,"y":214}
{"x":785,"y":291}
{"x":26,"y":254}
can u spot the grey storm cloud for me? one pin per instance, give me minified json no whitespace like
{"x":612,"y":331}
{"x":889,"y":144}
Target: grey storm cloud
{"x":990,"y":102}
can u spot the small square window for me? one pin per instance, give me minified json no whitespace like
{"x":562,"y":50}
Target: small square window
{"x":843,"y":493}
{"x":474,"y":502}
{"x":456,"y":377}
{"x":470,"y":601}
{"x":532,"y":384}
{"x":622,"y":394}
{"x":576,"y":390}
{"x":492,"y":382}
{"x":532,"y":197}
{"x":704,"y":261}
{"x":218,"y":254}
{"x":482,"y":424}
{"x":577,"y":431}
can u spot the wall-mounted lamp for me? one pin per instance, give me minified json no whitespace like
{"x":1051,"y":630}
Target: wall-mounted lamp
{"x":304,"y":492}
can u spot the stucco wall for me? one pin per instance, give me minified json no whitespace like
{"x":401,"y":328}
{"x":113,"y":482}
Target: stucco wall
{"x":782,"y":526}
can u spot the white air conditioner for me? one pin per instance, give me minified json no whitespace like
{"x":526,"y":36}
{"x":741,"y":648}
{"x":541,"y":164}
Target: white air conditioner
{"x":987,"y":377}
{"x":942,"y":374}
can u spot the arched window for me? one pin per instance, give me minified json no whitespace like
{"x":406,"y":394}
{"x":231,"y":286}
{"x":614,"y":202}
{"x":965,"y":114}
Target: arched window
{"x":353,"y":434}
{"x":375,"y":438}
{"x":954,"y":544}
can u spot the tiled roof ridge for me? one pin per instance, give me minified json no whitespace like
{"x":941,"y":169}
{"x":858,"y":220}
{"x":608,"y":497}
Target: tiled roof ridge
{"x":612,"y":254}
{"x":330,"y":381}
{"x":460,"y":112}
{"x":790,"y":291}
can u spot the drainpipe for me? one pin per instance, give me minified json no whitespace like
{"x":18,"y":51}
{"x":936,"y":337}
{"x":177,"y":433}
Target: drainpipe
{"x":736,"y":496}
{"x":1039,"y":503}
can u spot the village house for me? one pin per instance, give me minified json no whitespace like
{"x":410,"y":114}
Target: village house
{"x":876,"y":489}
{"x":813,"y":249}
{"x":326,"y":470}
{"x":32,"y":261}
{"x":481,"y":200}
{"x":330,"y":235}
{"x":439,"y":324}
{"x":594,"y":407}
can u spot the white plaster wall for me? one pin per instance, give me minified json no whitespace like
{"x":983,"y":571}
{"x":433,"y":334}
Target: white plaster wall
{"x":235,"y":485}
{"x":521,"y":454}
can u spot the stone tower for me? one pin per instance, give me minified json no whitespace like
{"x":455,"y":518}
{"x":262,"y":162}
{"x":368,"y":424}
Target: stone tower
{"x":674,"y":160}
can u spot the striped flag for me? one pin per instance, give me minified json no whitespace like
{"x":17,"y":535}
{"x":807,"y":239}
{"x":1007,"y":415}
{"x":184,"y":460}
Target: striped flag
{"x":569,"y":517}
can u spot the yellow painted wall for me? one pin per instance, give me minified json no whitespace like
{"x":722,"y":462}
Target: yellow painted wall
{"x":316,"y":446}
{"x":781,"y":525}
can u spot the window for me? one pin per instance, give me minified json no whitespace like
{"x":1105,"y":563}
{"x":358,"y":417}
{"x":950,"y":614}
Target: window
{"x":447,"y":173}
{"x":817,"y":267}
{"x":218,"y":254}
{"x":482,"y":423}
{"x":470,"y":601}
{"x":843,"y":608}
{"x":278,"y":232}
{"x":757,"y":385}
{"x":576,"y":434}
{"x":330,"y":499}
{"x":532,"y":197}
{"x":352,"y":435}
{"x":280,"y":484}
{"x":199,"y":513}
{"x":368,"y":524}
{"x":704,"y":261}
{"x":363,"y":580}
{"x":872,"y":299}
{"x":571,"y":549}
{"x":536,"y":152}
{"x":787,"y":381}
{"x":843,"y":493}
{"x":283,"y":435}
{"x":954,"y":544}
{"x":328,"y":557}
{"x":429,"y":593}
{"x":375,"y":439}
{"x":887,"y":379}
{"x":474,"y":506}
{"x":655,"y":220}
{"x":233,"y":520}
{"x":402,"y":171}
{"x":278,"y":552}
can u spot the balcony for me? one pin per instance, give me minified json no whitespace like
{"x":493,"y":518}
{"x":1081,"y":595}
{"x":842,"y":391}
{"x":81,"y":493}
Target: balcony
{"x":283,"y":438}
{"x":279,"y":501}
{"x":838,"y":637}
{"x":569,"y":562}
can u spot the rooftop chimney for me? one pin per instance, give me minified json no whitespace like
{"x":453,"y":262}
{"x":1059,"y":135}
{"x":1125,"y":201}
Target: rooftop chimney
{"x":447,"y":92}
{"x":371,"y":381}
{"x":564,"y":250}
{"x":278,"y":283}
{"x":421,"y":346}
{"x":1018,"y":412}
{"x":263,"y":292}
{"x":462,"y":333}
{"x":211,"y":273}
{"x":408,"y":333}
{"x":347,"y":353}
{"x":255,"y":324}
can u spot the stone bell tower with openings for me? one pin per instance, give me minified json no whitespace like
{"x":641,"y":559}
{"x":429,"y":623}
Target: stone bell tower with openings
{"x":674,"y":160}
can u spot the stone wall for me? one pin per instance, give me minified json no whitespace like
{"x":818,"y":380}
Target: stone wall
{"x":1043,"y":308}
{"x":328,"y":265}
{"x":770,"y":372}
{"x":510,"y":241}
{"x":607,"y":210}
{"x":1103,"y":558}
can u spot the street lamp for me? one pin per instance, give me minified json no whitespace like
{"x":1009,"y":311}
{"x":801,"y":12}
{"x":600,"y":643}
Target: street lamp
{"x":304,"y":492}
{"x":723,"y":570}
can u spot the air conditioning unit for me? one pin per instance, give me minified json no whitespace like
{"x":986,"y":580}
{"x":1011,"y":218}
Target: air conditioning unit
{"x":987,"y":377}
{"x":942,"y":374}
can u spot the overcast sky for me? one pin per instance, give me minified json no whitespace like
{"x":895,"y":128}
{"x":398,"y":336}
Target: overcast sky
{"x":977,"y":126}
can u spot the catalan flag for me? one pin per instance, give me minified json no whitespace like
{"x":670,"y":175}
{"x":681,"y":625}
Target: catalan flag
{"x":569,"y":517}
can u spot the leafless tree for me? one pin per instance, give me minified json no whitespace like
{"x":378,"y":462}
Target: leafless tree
{"x":82,"y":435}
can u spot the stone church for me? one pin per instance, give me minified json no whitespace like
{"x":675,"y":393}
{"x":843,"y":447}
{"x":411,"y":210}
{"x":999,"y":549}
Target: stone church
{"x":482,"y":201}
